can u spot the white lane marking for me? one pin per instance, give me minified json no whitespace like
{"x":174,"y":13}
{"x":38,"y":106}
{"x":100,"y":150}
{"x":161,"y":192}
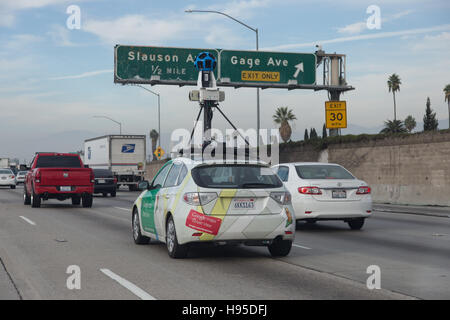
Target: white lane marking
{"x":28,"y":220}
{"x":125,"y":283}
{"x":299,"y":246}
{"x":125,"y":209}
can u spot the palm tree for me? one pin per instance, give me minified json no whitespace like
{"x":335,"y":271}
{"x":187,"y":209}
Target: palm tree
{"x":393,"y":126}
{"x":447,"y":98}
{"x":282,"y":117}
{"x":394,"y":83}
{"x":154,"y":135}
{"x":410,"y":123}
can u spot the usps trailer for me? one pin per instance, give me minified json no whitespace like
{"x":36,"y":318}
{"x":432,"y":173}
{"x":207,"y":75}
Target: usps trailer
{"x":124,"y":155}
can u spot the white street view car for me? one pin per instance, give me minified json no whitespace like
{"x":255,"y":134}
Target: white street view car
{"x":326,"y":191}
{"x":20,"y":177}
{"x":7,"y":178}
{"x":192,"y":201}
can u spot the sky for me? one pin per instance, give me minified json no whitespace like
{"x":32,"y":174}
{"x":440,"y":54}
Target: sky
{"x":54,"y":80}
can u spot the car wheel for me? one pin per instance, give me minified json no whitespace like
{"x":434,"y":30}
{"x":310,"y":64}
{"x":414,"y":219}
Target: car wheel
{"x":35,"y":200}
{"x":174,"y":249}
{"x":76,"y":200}
{"x":26,"y":197}
{"x":113,"y":194}
{"x":280,"y":248}
{"x":356,"y":224}
{"x":104,"y":194}
{"x":13,"y":187}
{"x":137,"y":235}
{"x":87,"y":201}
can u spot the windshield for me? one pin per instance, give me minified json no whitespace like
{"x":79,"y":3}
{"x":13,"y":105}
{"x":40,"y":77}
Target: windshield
{"x":322,"y":172}
{"x":58,"y":162}
{"x":235,"y":177}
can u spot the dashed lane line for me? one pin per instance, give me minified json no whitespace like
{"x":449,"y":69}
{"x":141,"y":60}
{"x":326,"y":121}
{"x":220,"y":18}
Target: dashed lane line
{"x":28,"y":220}
{"x":299,"y":246}
{"x":128,"y":285}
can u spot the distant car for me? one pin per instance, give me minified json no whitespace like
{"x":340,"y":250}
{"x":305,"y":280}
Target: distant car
{"x":105,"y":182}
{"x":326,"y":191}
{"x":7,"y":178}
{"x":192,"y":201}
{"x":20,"y":177}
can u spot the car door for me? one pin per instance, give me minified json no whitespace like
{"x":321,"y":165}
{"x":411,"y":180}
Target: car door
{"x":149,"y":201}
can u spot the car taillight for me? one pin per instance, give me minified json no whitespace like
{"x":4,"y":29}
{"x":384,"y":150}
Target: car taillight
{"x":37,"y":178}
{"x":12,"y":176}
{"x":283,"y":198}
{"x":92,"y":177}
{"x":199,"y":198}
{"x":363,"y":190}
{"x":309,"y":190}
{"x":115,"y":180}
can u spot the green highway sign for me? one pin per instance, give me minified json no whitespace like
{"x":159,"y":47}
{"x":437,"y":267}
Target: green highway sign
{"x":267,"y":67}
{"x":139,"y":64}
{"x":165,"y":65}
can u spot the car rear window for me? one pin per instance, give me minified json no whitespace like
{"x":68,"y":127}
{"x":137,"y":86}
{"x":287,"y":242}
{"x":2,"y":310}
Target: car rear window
{"x":58,"y":162}
{"x":235,"y":177}
{"x":7,"y":171}
{"x":322,"y":172}
{"x":103,"y":173}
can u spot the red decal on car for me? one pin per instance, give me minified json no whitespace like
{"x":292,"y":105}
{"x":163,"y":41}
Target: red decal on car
{"x":204,"y":223}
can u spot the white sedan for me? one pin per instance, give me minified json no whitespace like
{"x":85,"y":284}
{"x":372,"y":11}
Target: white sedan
{"x":326,"y":191}
{"x":7,"y":178}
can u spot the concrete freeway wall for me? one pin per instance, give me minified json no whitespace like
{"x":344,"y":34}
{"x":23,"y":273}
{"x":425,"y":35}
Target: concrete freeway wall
{"x":412,"y":169}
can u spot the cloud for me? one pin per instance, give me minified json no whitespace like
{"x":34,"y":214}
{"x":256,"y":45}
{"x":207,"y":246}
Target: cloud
{"x":378,"y":35}
{"x":83,"y":75}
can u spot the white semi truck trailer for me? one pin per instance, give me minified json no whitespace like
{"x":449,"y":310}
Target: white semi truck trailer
{"x":4,"y":163}
{"x":124,"y":155}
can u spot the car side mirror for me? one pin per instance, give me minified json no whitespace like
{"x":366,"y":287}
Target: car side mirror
{"x":144,"y":185}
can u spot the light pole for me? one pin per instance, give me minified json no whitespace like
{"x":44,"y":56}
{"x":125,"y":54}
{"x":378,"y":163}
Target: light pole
{"x":120,"y":125}
{"x":257,"y":48}
{"x":159,"y":110}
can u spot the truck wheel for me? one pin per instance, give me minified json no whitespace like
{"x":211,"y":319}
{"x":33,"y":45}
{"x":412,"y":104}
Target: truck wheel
{"x":137,"y":235}
{"x":35,"y":200}
{"x":87,"y":201}
{"x":26,"y":196}
{"x":76,"y":200}
{"x":174,"y":249}
{"x":280,"y":248}
{"x":113,"y":194}
{"x":104,"y":194}
{"x":356,"y":224}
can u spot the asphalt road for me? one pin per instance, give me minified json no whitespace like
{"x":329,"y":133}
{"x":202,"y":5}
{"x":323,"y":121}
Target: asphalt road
{"x":328,"y":261}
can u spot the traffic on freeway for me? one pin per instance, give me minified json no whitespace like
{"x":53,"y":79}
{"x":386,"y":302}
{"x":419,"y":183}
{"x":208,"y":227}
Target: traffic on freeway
{"x":225,"y":159}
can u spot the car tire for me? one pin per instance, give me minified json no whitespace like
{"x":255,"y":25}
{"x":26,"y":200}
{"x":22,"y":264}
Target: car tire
{"x":13,"y":187}
{"x":113,"y":194}
{"x":280,"y":247}
{"x":76,"y":200}
{"x":104,"y":194}
{"x":87,"y":201}
{"x":35,"y":200}
{"x":136,"y":228}
{"x":174,"y":249}
{"x":26,"y":197}
{"x":356,"y":224}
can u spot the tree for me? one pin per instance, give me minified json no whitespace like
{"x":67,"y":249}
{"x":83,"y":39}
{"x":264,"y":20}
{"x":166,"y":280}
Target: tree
{"x":324,"y":131}
{"x":312,"y":134}
{"x":447,"y":98}
{"x":394,"y":83}
{"x":393,"y":126}
{"x":430,"y":122}
{"x":410,"y":123}
{"x":282,"y":117}
{"x":154,"y":135}
{"x":306,"y":137}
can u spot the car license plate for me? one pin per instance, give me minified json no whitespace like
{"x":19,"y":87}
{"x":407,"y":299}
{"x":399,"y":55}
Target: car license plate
{"x":339,"y":194}
{"x":244,"y":204}
{"x":65,"y":188}
{"x":101,"y":181}
{"x":3,"y":178}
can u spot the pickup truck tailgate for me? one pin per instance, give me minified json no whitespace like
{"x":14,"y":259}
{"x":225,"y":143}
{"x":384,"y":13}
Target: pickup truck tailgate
{"x":65,"y":177}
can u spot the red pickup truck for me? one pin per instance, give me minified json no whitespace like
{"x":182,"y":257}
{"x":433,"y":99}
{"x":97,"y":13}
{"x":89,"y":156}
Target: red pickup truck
{"x":58,"y":176}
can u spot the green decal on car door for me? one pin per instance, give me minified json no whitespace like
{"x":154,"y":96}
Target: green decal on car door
{"x":148,"y":211}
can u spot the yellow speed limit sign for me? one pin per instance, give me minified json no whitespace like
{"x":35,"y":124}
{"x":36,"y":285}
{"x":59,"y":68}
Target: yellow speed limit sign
{"x":335,"y":114}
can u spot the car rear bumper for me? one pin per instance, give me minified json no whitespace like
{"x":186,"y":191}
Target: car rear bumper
{"x":105,"y":188}
{"x":247,"y":229}
{"x":54,"y":190}
{"x":7,"y":182}
{"x":333,"y":210}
